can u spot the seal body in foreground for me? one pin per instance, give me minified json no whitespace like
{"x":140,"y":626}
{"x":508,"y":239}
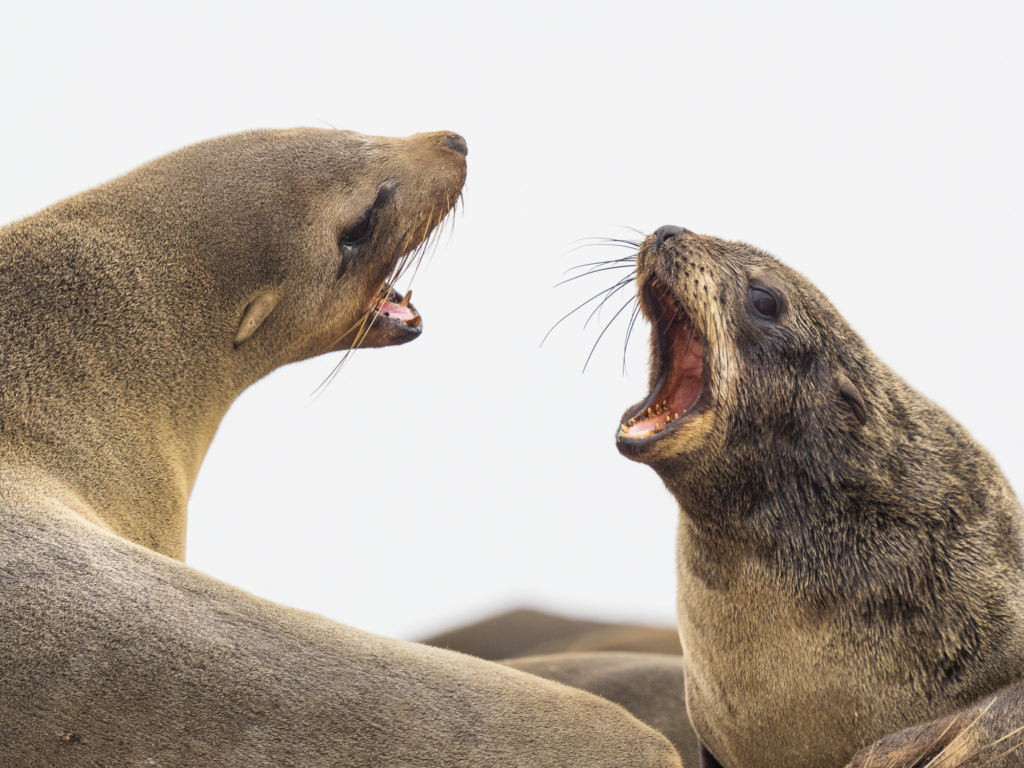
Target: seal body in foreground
{"x":850,"y":560}
{"x":133,"y":315}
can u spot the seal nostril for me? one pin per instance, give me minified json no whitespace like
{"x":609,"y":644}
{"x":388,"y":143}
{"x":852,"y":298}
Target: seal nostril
{"x":667,"y":232}
{"x":456,"y":143}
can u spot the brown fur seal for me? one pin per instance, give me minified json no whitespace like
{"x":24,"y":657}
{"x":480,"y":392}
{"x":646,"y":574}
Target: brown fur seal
{"x":132,"y":316}
{"x":526,"y":632}
{"x":850,"y":560}
{"x":650,"y":685}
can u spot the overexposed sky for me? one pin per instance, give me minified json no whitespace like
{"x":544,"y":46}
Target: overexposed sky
{"x":877,"y":147}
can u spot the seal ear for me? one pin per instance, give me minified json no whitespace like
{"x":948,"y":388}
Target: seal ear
{"x":257,"y":311}
{"x":851,"y":395}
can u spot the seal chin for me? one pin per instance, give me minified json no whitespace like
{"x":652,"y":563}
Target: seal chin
{"x":678,"y":395}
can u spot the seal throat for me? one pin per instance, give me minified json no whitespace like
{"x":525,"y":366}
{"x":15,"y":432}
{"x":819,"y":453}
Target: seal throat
{"x":680,"y":356}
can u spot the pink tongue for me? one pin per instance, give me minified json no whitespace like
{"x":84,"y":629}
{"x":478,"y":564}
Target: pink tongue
{"x":396,"y":311}
{"x":644,"y":428}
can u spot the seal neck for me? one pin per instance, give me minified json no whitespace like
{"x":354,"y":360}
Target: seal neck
{"x":126,"y":471}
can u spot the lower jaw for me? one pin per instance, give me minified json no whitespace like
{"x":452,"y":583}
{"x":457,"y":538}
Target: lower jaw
{"x":657,"y":415}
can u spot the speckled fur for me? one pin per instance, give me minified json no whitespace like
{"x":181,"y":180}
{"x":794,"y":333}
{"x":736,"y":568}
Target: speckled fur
{"x":838,"y":581}
{"x":120,"y":309}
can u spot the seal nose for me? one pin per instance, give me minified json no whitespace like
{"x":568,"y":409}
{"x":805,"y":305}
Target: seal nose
{"x":456,"y":143}
{"x":667,"y":232}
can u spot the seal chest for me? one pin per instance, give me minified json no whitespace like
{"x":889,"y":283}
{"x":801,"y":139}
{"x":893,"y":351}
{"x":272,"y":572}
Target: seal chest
{"x":850,"y":560}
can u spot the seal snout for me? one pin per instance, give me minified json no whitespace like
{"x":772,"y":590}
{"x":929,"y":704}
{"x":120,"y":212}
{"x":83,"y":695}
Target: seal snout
{"x":667,"y":232}
{"x":456,"y":143}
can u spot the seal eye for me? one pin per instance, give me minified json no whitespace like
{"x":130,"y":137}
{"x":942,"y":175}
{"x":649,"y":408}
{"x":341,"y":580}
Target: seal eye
{"x":765,"y":303}
{"x":359,"y":231}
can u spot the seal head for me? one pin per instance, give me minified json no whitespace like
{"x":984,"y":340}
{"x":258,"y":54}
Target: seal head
{"x":157,"y":298}
{"x":737,"y":339}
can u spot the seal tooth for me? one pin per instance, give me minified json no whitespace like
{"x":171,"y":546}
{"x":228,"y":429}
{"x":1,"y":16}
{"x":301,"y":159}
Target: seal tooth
{"x":658,"y":429}
{"x":405,"y":299}
{"x":414,"y":321}
{"x":647,"y":433}
{"x":677,"y":415}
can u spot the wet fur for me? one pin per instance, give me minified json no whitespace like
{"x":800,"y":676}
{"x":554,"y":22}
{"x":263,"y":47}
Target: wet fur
{"x":122,"y":308}
{"x":842,"y":575}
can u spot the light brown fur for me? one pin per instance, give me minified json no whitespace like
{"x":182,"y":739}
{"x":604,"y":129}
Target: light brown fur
{"x":126,"y":331}
{"x":650,"y":685}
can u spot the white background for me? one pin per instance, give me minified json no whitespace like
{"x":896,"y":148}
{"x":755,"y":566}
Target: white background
{"x":875,"y":146}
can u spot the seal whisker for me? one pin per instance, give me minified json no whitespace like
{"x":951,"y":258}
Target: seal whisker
{"x":1004,"y":738}
{"x":410,"y":258}
{"x":983,"y":747}
{"x":1004,"y":754}
{"x":621,"y":284}
{"x":603,"y":331}
{"x":594,"y":272}
{"x":931,"y":763}
{"x":602,"y":297}
{"x":625,"y":262}
{"x":629,"y":332}
{"x":938,"y":739}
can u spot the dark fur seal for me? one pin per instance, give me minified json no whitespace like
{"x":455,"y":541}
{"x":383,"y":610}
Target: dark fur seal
{"x":850,"y":560}
{"x":132,"y":316}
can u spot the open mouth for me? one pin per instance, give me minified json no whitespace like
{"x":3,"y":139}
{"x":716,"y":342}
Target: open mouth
{"x":677,"y":395}
{"x":391,"y":320}
{"x":396,"y":309}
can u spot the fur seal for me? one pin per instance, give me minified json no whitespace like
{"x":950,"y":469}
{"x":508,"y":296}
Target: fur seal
{"x":526,"y":632}
{"x":133,"y":315}
{"x":850,"y":560}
